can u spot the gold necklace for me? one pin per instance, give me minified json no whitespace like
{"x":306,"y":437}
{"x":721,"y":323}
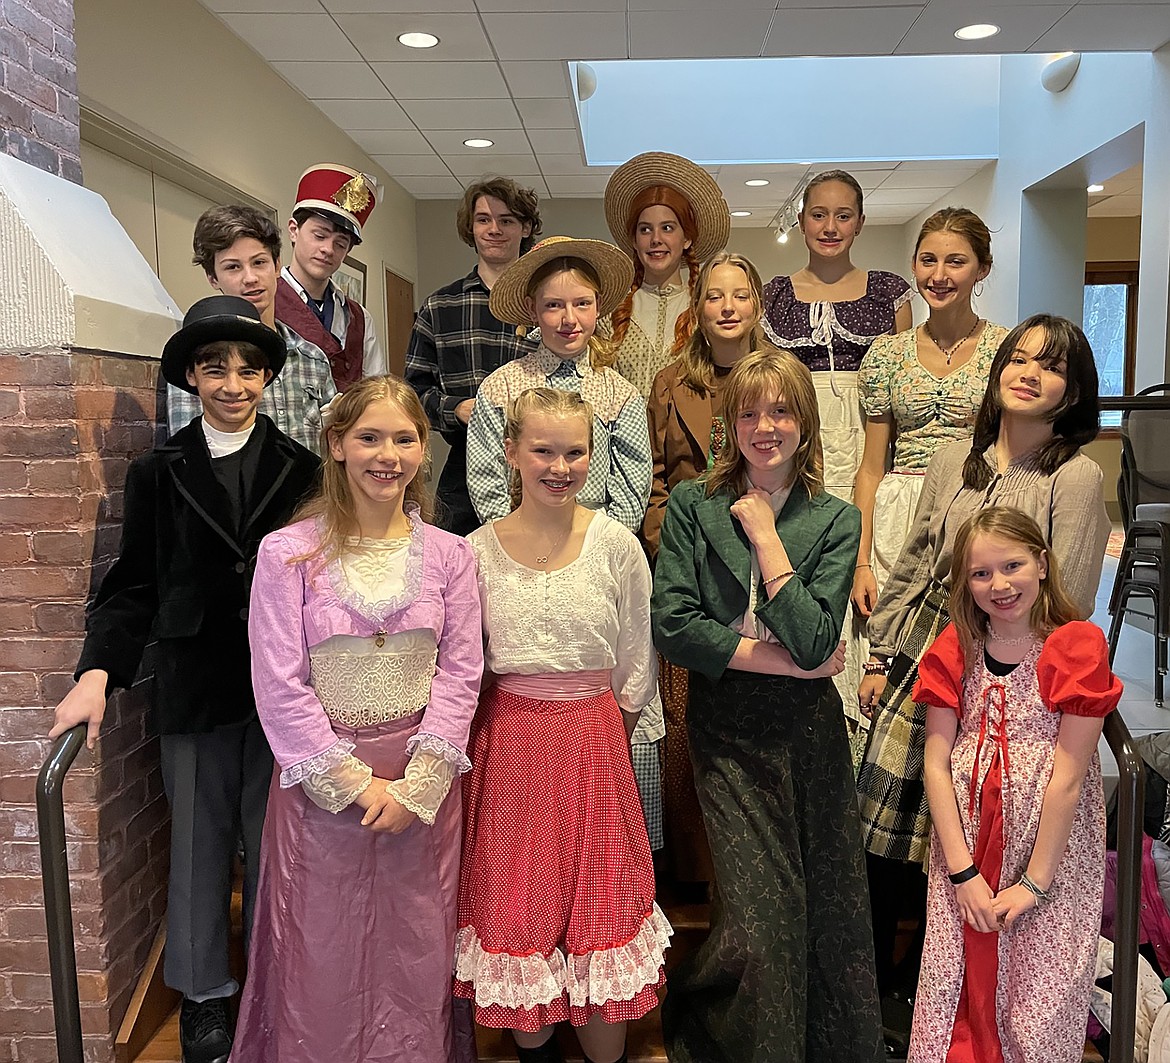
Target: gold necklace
{"x":949,"y":352}
{"x":542,"y":559}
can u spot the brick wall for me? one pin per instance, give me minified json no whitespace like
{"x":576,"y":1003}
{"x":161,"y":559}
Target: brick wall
{"x":38,"y":86}
{"x":69,"y":424}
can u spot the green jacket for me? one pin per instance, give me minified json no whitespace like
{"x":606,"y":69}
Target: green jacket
{"x":704,"y":565}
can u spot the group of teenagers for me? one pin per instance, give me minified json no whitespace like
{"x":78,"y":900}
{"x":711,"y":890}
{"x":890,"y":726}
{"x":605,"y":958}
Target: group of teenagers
{"x":831,"y":570}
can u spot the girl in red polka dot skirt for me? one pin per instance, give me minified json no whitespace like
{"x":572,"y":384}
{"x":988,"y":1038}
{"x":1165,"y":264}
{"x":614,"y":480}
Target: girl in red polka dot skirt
{"x":557,"y":919}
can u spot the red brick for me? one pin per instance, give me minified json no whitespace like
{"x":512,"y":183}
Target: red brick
{"x":54,"y":131}
{"x":62,"y":547}
{"x":128,"y":372}
{"x":53,"y":476}
{"x":13,"y":46}
{"x":55,"y":685}
{"x":83,"y":369}
{"x":18,"y":441}
{"x":49,"y":404}
{"x":56,"y":617}
{"x":21,"y":722}
{"x":102,"y":473}
{"x":19,"y":789}
{"x":31,"y":87}
{"x":39,"y":654}
{"x":130,"y":439}
{"x":23,"y":756}
{"x":30,"y":956}
{"x":24,"y":20}
{"x":36,"y":582}
{"x":16,"y":616}
{"x":59,"y":13}
{"x":64,"y":46}
{"x":13,"y":475}
{"x":33,"y":369}
{"x":20,"y":856}
{"x":28,"y":924}
{"x":17,"y":688}
{"x":21,"y":889}
{"x":53,"y":68}
{"x":31,"y":988}
{"x":9,"y":400}
{"x":27,"y":1020}
{"x":31,"y":510}
{"x":15,"y":547}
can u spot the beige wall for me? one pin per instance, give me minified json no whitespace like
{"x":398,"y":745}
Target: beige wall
{"x":443,"y":256}
{"x":1113,"y":240}
{"x":173,"y":74}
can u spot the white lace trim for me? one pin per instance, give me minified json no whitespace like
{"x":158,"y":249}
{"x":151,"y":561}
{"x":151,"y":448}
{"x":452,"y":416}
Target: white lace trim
{"x":616,"y":974}
{"x":441,"y":748}
{"x":340,"y":786}
{"x":317,"y":764}
{"x":604,"y":389}
{"x":363,"y":689}
{"x":377,"y":612}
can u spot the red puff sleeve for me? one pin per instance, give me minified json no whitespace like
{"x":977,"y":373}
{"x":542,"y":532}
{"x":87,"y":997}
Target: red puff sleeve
{"x":1074,"y":673}
{"x":940,"y":672}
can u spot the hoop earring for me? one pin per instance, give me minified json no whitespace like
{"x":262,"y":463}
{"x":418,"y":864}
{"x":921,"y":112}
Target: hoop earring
{"x":978,"y":289}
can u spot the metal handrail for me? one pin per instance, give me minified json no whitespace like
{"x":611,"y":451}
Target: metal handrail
{"x":1131,"y":786}
{"x":58,"y":903}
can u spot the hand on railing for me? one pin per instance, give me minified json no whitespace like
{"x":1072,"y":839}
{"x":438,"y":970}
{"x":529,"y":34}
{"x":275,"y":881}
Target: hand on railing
{"x":84,"y":704}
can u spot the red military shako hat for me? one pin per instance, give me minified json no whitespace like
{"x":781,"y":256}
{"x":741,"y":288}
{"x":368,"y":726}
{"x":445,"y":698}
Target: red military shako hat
{"x":342,"y":195}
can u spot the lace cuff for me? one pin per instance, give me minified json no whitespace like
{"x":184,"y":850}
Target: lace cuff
{"x":338,"y":787}
{"x":441,"y":748}
{"x":427,"y":781}
{"x":321,"y":762}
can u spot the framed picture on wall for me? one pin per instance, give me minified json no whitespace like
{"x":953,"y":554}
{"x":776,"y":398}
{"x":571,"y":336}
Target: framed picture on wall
{"x":350,"y":280}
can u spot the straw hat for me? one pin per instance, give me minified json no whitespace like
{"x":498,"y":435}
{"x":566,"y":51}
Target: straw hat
{"x":692,"y":182}
{"x":612,"y":266}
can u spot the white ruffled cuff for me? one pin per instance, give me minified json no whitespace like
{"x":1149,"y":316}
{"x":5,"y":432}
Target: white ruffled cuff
{"x":426,"y":782}
{"x":619,"y":973}
{"x":317,"y":764}
{"x":339,"y":787}
{"x":441,"y":748}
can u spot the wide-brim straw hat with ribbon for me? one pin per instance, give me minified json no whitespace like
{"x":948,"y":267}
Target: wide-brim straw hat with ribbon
{"x":692,"y":182}
{"x":613,"y":267}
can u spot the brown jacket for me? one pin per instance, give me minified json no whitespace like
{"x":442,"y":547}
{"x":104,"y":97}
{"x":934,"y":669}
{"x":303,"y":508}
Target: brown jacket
{"x":680,"y":436}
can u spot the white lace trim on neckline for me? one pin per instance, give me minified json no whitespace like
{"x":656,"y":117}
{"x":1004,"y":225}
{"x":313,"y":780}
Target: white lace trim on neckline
{"x":377,"y":612}
{"x":615,"y":974}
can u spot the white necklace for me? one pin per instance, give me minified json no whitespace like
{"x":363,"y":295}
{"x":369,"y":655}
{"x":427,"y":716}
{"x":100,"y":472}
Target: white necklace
{"x":1003,"y":640}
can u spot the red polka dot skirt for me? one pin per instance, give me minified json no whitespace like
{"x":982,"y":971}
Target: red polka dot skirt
{"x":557,"y":919}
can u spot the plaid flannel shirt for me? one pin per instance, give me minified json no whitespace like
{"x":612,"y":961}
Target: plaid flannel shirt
{"x":294,"y":400}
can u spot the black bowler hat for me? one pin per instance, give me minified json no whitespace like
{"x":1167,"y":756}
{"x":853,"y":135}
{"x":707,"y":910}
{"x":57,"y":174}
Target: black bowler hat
{"x":216,"y":318}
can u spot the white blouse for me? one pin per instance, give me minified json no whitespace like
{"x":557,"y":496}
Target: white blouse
{"x":592,"y":614}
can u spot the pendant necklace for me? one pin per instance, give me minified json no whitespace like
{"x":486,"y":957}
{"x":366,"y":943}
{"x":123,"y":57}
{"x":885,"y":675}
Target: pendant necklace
{"x":542,"y":559}
{"x":949,"y":352}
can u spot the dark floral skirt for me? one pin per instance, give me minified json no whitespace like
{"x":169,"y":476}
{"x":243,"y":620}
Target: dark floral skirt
{"x":787,"y":973}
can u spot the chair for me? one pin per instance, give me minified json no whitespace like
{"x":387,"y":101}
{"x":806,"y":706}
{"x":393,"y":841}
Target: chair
{"x":1144,"y":493}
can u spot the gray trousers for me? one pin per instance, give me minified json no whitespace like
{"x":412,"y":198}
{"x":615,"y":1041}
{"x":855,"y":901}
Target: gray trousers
{"x":217,"y":785}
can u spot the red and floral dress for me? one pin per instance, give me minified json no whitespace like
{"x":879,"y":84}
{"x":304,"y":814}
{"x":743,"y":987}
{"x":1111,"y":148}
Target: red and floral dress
{"x":1020,"y":995}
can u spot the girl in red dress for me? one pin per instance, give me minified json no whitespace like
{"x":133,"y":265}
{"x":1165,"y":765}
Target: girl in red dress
{"x":1017,"y":687}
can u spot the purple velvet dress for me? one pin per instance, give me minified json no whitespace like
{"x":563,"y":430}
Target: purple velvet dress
{"x":352,"y":947}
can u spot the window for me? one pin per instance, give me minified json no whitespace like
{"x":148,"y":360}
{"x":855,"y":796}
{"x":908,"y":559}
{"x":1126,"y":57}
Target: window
{"x":1111,"y":292}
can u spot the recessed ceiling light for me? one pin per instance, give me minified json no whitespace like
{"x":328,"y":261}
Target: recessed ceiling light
{"x":741,"y":213}
{"x":478,"y":142}
{"x":1096,"y":188}
{"x":757,"y":182}
{"x":418,"y":40}
{"x":782,"y":238}
{"x":977,"y":32}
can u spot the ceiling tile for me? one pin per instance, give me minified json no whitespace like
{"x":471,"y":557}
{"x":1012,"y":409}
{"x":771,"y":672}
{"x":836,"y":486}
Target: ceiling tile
{"x":558,"y":35}
{"x":690,"y":6}
{"x":1021,"y":25}
{"x":895,"y":197}
{"x":293,"y":37}
{"x":333,"y":81}
{"x":538,"y":79}
{"x":365,"y":114}
{"x":1117,"y":207}
{"x":256,"y":6}
{"x":533,"y":181}
{"x":1109,"y":27}
{"x":903,"y":178}
{"x":570,"y":165}
{"x":851,"y":167}
{"x":467,"y":115}
{"x":547,"y":114}
{"x":576,"y":186}
{"x":376,"y":37}
{"x":431,"y":187}
{"x":429,"y":81}
{"x":544,"y":7}
{"x":413,"y":165}
{"x":395,"y":6}
{"x":857,"y":31}
{"x":479,"y":164}
{"x":504,"y":142}
{"x":555,"y":141}
{"x":705,"y":34}
{"x":391,"y":141}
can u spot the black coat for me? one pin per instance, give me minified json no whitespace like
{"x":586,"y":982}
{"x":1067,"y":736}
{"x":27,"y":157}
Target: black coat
{"x":184,"y":575}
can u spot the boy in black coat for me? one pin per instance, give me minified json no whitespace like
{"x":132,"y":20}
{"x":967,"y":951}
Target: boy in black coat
{"x":196,"y":509}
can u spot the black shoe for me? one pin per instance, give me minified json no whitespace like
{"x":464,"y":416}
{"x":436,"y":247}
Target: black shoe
{"x":204,"y":1031}
{"x":549,"y":1052}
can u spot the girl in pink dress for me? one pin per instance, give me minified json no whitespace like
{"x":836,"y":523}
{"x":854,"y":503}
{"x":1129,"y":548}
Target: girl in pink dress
{"x":366,"y":661}
{"x":1017,"y":687}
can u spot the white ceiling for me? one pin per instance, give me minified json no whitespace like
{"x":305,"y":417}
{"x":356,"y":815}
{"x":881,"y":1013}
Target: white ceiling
{"x":499,"y":72}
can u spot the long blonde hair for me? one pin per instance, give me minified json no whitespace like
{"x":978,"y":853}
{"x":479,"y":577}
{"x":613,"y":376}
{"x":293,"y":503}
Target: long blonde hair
{"x":548,"y":401}
{"x":769,"y":374}
{"x":332,"y":504}
{"x":698,"y":363}
{"x":1052,"y":608}
{"x":601,"y":351}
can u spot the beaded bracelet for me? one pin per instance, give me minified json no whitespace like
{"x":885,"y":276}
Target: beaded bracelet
{"x":959,"y":877}
{"x":780,"y":575}
{"x":876,"y":667}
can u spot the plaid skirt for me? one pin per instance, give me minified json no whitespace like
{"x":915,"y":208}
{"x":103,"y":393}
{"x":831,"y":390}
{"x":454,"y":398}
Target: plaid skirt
{"x":895,"y":818}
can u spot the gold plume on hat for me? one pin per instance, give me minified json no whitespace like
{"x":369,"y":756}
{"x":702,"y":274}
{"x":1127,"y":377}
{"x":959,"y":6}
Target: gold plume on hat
{"x":354,"y":195}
